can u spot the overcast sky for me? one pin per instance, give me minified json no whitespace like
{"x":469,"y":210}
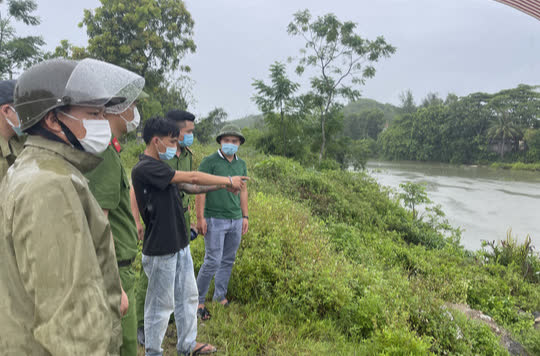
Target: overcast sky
{"x":458,"y":46}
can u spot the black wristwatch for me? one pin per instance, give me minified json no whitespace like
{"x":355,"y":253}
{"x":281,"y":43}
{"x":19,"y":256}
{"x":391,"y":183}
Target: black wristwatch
{"x":245,"y":217}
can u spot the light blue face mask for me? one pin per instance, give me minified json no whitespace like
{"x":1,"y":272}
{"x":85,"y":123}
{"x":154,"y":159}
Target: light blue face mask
{"x":17,"y":128}
{"x":169,"y":153}
{"x":188,"y":140}
{"x":229,"y":149}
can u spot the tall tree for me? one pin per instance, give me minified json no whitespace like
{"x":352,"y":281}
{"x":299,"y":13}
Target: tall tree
{"x":17,"y":52}
{"x":502,"y":129}
{"x":149,"y":37}
{"x":432,"y":99}
{"x":277,"y":96}
{"x":342,"y":58}
{"x":522,"y":105}
{"x":408,"y":105}
{"x":67,"y":50}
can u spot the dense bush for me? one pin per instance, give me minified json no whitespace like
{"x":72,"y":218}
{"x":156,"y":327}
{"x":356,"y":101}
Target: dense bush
{"x":333,"y":264}
{"x":510,"y":251}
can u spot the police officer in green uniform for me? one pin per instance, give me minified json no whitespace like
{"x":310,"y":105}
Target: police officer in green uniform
{"x":61,"y":291}
{"x":183,"y":160}
{"x":110,"y":185}
{"x":11,"y":141}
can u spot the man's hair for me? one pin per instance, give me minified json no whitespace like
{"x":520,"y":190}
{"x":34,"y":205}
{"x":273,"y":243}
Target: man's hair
{"x":158,"y":126}
{"x":180,"y":117}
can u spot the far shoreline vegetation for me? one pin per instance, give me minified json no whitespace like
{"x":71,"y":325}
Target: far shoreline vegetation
{"x":500,"y":130}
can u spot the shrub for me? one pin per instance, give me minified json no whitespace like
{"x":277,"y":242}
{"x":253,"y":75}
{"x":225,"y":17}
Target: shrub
{"x":510,"y":251}
{"x":397,"y":341}
{"x":130,"y":154}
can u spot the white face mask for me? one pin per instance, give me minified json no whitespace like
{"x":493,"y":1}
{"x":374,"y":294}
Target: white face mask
{"x":16,"y":129}
{"x":133,"y":124}
{"x":98,"y":134}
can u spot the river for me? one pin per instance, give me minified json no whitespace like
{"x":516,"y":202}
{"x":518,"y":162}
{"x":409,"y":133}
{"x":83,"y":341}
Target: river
{"x":484,"y":202}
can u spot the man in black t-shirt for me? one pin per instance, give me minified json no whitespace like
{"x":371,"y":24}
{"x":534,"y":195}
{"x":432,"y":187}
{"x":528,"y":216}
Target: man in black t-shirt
{"x":166,"y":256}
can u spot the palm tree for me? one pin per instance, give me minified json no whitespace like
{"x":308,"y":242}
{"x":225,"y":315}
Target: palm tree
{"x":503,"y":128}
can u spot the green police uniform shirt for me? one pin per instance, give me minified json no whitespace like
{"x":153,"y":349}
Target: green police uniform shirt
{"x":9,"y":150}
{"x":223,"y":204}
{"x":183,"y":162}
{"x":110,"y":186}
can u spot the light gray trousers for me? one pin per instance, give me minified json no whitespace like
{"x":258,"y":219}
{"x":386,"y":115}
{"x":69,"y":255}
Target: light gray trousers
{"x":221,"y":242}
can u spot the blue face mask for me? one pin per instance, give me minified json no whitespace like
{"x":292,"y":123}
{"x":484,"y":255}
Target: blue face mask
{"x":229,"y":149}
{"x":17,"y":128}
{"x":169,"y":153}
{"x":188,"y":140}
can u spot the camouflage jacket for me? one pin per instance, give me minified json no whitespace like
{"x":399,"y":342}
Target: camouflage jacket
{"x":9,"y":150}
{"x":59,"y":282}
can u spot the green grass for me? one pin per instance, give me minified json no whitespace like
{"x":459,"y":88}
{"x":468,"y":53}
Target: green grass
{"x":518,"y":166}
{"x":332,"y":265}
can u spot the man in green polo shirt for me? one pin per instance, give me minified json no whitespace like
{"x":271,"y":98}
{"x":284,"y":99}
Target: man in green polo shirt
{"x":109,"y":184}
{"x":222,"y":217}
{"x":11,"y":143}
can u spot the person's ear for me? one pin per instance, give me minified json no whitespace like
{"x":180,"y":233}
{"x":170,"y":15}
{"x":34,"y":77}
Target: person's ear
{"x":4,"y":110}
{"x":50,"y":122}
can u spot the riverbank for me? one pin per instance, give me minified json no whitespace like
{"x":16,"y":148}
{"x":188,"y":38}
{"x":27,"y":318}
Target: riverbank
{"x":332,"y":264}
{"x":518,"y":166}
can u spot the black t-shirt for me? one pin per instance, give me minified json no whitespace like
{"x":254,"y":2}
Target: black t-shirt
{"x":160,"y":207}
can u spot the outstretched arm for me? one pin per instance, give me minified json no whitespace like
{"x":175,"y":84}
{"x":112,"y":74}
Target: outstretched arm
{"x":201,"y":178}
{"x":199,"y":189}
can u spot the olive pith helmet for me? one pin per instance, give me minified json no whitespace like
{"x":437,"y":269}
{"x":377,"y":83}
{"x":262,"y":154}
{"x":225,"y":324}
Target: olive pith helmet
{"x":231,"y":130}
{"x":40,"y":89}
{"x":61,"y":82}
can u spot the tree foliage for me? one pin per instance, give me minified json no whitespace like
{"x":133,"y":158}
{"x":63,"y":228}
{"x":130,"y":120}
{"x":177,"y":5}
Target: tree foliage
{"x":67,"y":50}
{"x":148,"y":37}
{"x":414,"y":194}
{"x":17,"y":52}
{"x":278,"y":97}
{"x":364,"y":124}
{"x":342,"y":60}
{"x":408,"y":106}
{"x":469,"y":129}
{"x":503,"y":129}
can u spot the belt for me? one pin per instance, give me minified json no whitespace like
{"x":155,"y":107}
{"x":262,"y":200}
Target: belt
{"x":125,"y":263}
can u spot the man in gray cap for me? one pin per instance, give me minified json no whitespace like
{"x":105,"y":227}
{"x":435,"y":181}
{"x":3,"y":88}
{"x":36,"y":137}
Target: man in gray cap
{"x":11,"y":143}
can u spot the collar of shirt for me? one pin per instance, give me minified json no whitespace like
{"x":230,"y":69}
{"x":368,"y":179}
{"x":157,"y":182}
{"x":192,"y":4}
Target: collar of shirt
{"x":83,"y":161}
{"x":223,"y":157}
{"x":4,"y":147}
{"x":114,"y":142}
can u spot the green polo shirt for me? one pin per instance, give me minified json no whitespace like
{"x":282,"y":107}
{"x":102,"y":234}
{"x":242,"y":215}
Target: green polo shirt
{"x":110,"y":186}
{"x":9,"y":150}
{"x":183,"y":162}
{"x":223,"y":204}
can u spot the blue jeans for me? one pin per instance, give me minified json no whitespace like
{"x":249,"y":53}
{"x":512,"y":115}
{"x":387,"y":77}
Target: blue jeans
{"x":221,"y":242}
{"x":171,"y":288}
